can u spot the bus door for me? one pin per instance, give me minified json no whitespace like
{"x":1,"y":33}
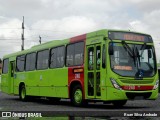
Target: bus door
{"x":11,"y":75}
{"x":93,"y":71}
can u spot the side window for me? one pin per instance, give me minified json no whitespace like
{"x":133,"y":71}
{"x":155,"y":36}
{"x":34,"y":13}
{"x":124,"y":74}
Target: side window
{"x":30,"y":61}
{"x":79,"y":53}
{"x":70,"y":54}
{"x":57,"y":57}
{"x":42,"y":59}
{"x":60,"y":56}
{"x":5,"y":66}
{"x":20,"y":63}
{"x":53,"y":58}
{"x":75,"y":53}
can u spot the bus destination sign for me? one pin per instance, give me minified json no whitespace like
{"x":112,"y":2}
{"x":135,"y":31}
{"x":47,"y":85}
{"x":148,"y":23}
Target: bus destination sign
{"x":129,"y":36}
{"x":133,"y":37}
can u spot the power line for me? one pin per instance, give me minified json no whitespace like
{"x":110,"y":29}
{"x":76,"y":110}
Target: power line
{"x":52,"y":30}
{"x":42,"y":30}
{"x":10,"y":39}
{"x":5,"y":50}
{"x":10,"y":28}
{"x":11,"y":43}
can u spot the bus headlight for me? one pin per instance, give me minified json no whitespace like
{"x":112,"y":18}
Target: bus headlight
{"x":115,"y":84}
{"x":156,"y":85}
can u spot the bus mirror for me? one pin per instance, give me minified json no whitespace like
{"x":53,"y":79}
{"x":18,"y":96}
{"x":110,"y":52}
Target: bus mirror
{"x":149,"y":54}
{"x":111,"y":50}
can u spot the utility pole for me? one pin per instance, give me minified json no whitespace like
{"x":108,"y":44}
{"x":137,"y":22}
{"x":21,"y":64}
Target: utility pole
{"x":39,"y":39}
{"x":22,"y":47}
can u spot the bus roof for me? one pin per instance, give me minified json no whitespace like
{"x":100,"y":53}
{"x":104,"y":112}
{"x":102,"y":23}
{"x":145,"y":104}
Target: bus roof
{"x":54,"y":43}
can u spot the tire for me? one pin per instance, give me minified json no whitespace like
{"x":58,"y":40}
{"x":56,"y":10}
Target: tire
{"x":77,"y":96}
{"x":119,"y":103}
{"x":22,"y":94}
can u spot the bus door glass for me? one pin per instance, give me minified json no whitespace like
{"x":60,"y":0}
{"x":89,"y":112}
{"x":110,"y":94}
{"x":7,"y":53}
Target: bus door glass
{"x":94,"y":67}
{"x":11,"y":83}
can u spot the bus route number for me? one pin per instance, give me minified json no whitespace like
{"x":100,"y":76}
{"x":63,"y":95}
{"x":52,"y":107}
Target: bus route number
{"x":131,"y":87}
{"x":77,"y":75}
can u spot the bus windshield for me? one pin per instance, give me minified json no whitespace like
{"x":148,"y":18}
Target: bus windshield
{"x":136,"y":60}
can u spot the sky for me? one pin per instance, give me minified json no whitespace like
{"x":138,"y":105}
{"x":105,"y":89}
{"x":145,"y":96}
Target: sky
{"x":60,"y":19}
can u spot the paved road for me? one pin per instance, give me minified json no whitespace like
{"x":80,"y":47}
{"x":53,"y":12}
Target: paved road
{"x":64,"y":107}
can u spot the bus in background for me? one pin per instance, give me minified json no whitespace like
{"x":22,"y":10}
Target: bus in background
{"x":111,"y":66}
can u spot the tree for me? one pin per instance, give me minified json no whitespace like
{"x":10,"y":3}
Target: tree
{"x":0,"y":60}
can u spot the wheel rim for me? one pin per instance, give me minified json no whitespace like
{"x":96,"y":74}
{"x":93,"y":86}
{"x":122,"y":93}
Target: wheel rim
{"x":78,"y":96}
{"x":23,"y":93}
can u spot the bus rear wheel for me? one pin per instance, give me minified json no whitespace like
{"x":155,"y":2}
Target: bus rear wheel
{"x":22,"y":94}
{"x":77,"y":96}
{"x":119,"y":103}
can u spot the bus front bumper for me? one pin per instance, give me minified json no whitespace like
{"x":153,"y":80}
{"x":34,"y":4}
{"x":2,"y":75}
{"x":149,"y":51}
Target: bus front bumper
{"x":115,"y":94}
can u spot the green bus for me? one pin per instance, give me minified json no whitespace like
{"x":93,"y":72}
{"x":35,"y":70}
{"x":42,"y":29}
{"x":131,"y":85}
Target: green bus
{"x":111,"y":66}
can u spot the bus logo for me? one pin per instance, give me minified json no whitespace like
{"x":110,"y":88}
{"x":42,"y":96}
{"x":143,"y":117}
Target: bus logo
{"x":140,"y":74}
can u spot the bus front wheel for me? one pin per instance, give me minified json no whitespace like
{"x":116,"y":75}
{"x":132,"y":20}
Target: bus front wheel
{"x":77,"y":96}
{"x":22,"y":94}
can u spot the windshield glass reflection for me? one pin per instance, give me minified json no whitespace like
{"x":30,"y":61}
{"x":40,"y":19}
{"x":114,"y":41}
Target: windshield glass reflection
{"x":133,"y":60}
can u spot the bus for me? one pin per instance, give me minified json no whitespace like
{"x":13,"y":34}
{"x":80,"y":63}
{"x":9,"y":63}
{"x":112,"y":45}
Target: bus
{"x":108,"y":66}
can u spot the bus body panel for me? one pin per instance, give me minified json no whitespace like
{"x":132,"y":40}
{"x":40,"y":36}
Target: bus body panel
{"x":94,"y":78}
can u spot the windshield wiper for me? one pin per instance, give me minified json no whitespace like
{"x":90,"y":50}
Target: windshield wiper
{"x":130,"y":51}
{"x":143,"y":48}
{"x":127,"y":48}
{"x":137,"y":56}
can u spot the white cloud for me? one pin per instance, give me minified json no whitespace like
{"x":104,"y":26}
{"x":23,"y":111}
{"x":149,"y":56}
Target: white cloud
{"x":58,"y":19}
{"x":66,"y":27}
{"x":139,"y":26}
{"x":8,"y":29}
{"x":78,"y":23}
{"x":10,"y":36}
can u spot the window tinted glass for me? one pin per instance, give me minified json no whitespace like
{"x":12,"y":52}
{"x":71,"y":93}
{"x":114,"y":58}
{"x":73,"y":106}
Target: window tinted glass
{"x":30,"y":61}
{"x":53,"y":58}
{"x":20,"y":63}
{"x":104,"y":56}
{"x":70,"y":54}
{"x":75,"y":54}
{"x":91,"y":58}
{"x":5,"y":66}
{"x":141,"y":64}
{"x":42,"y":59}
{"x":98,"y":57}
{"x":57,"y":57}
{"x":79,"y":48}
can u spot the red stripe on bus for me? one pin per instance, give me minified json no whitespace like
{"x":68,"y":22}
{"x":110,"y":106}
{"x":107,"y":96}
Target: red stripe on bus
{"x":79,"y":77}
{"x":136,"y":87}
{"x":78,"y":38}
